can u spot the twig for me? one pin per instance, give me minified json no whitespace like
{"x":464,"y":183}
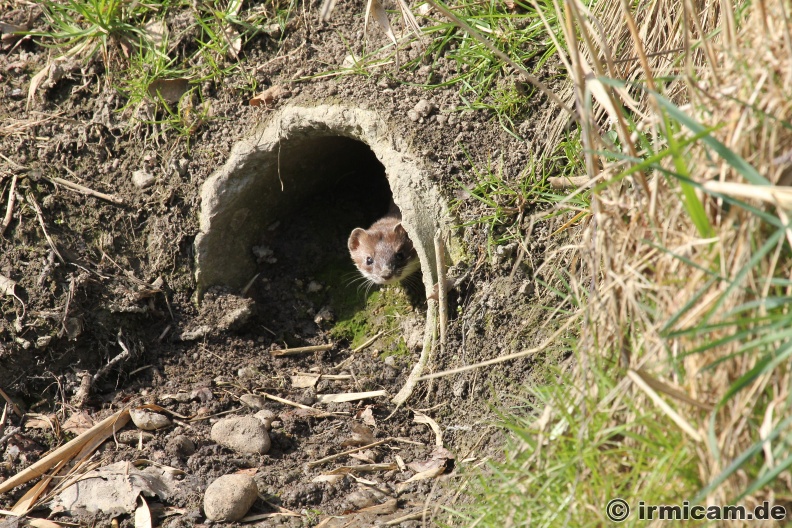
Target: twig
{"x":123,"y":356}
{"x":3,"y":420}
{"x":85,"y":190}
{"x":348,"y":452}
{"x":11,"y":432}
{"x":442,"y":292}
{"x":40,"y":217}
{"x":10,"y":208}
{"x":300,"y":350}
{"x":349,"y":396}
{"x":426,"y":355}
{"x":11,"y":162}
{"x":249,"y":285}
{"x":501,"y":359}
{"x":319,"y":414}
{"x":409,"y":517}
{"x":368,"y":342}
{"x":14,"y":406}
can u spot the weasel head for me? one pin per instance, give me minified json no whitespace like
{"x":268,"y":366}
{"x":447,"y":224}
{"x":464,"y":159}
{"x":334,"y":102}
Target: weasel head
{"x":383,"y":253}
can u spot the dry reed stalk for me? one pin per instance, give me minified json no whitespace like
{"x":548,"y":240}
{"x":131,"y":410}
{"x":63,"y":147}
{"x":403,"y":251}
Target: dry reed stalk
{"x":620,"y":265}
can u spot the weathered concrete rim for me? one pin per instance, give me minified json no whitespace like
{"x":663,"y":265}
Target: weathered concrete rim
{"x":246,"y":187}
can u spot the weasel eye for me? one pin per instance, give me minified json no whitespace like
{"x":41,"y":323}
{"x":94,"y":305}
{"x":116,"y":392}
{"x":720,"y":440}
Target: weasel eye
{"x":399,"y":256}
{"x":369,"y":261}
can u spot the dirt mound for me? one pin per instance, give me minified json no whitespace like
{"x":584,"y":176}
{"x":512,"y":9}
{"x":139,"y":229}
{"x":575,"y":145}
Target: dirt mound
{"x":105,"y":314}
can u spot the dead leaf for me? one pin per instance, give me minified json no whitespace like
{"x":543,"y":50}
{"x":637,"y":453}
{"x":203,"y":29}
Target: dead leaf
{"x":421,"y":418}
{"x":331,"y":479}
{"x":90,"y":439}
{"x":326,"y":10}
{"x":304,"y":381}
{"x":234,"y":40}
{"x":35,"y":82}
{"x":42,"y":523}
{"x":40,"y":421}
{"x":375,"y":8}
{"x":430,"y":473}
{"x":12,"y":32}
{"x":171,"y":90}
{"x":78,"y":423}
{"x":439,"y":458}
{"x":409,"y":19}
{"x":367,"y":417}
{"x":8,"y":287}
{"x":361,"y":435}
{"x":385,"y":508}
{"x":114,"y":489}
{"x":142,"y":514}
{"x":269,"y":96}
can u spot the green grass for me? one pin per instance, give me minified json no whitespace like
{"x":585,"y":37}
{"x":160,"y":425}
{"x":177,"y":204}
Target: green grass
{"x":81,"y":28}
{"x":120,"y":35}
{"x":581,"y":457}
{"x":481,"y":79}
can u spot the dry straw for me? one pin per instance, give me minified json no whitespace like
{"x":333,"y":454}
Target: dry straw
{"x":678,"y":249}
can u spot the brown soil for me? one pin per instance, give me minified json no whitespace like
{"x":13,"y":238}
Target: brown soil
{"x":122,"y":277}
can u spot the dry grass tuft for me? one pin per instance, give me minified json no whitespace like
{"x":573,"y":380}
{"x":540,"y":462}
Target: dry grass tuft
{"x":684,"y":262}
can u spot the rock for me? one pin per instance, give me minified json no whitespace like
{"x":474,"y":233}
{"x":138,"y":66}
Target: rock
{"x":254,"y":401}
{"x":181,"y":446}
{"x":424,"y":108}
{"x":248,"y":373}
{"x":229,"y":498}
{"x":243,"y":434}
{"x":147,"y":420}
{"x":142,"y":179}
{"x":413,"y":115}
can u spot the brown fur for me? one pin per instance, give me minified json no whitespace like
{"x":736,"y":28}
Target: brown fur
{"x":384,"y":253}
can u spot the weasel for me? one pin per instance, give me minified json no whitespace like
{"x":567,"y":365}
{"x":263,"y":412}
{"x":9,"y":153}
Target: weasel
{"x":384,"y":253}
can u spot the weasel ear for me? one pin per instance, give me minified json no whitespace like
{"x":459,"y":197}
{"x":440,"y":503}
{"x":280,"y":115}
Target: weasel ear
{"x":399,"y":229}
{"x":354,"y":238}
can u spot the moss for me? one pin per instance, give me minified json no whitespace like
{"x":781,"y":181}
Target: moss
{"x":358,"y":318}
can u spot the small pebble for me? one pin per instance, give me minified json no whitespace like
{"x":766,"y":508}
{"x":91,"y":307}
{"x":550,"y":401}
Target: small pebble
{"x":424,"y":108}
{"x":142,"y":179}
{"x":266,"y":417}
{"x":147,"y":420}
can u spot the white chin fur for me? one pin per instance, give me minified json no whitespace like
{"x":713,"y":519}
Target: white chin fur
{"x":408,"y":270}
